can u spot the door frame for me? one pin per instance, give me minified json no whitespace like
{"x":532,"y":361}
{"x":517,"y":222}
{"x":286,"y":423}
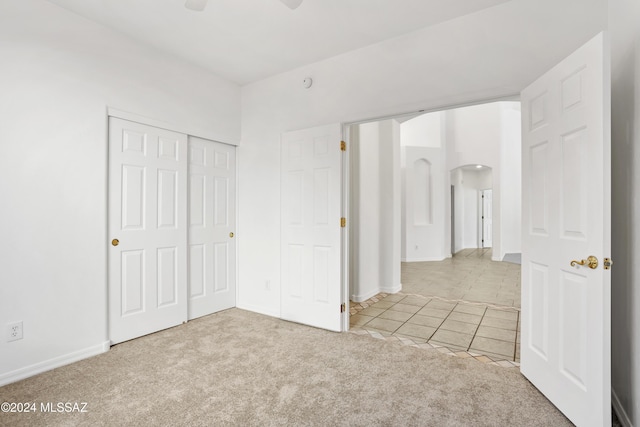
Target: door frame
{"x":346,"y":182}
{"x":173,"y":127}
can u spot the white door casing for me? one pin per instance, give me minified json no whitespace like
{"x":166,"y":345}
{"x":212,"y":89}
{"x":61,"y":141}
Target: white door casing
{"x":212,"y":222}
{"x":565,"y":349}
{"x":311,"y":188}
{"x":147,"y":216}
{"x":487,"y":218}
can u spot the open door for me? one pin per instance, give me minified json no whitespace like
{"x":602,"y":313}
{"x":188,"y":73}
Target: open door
{"x":311,"y":188}
{"x":566,"y":305}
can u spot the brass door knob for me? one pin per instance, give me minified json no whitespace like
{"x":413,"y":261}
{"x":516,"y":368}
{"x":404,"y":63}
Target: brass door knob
{"x":115,"y":242}
{"x":231,"y":234}
{"x":591,"y":262}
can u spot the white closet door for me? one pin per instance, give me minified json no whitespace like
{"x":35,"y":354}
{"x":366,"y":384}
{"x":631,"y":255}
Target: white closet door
{"x":147,"y":229}
{"x":212,"y":221}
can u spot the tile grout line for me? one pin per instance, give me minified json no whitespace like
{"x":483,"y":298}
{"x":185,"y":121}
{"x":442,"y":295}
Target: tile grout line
{"x":414,"y":314}
{"x":360,"y":329}
{"x":444,"y":320}
{"x":478,"y":327}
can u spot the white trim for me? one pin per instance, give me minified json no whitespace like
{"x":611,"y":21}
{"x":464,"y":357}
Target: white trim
{"x":346,"y":231}
{"x":623,"y":417}
{"x":364,"y":297}
{"x":386,"y":289}
{"x":394,"y":289}
{"x":174,"y":127}
{"x":424,"y":259}
{"x":56,"y":362}
{"x":444,"y":106}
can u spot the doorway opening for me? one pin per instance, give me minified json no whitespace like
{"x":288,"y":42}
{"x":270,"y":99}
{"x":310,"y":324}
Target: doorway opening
{"x":472,"y":207}
{"x":429,"y":233}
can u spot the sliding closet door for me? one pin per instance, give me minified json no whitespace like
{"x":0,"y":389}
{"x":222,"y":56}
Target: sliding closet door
{"x":147,"y":229}
{"x":212,"y":221}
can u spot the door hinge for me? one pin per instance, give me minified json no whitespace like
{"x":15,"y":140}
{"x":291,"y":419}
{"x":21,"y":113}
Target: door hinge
{"x":343,"y":146}
{"x":607,"y":263}
{"x":343,"y":222}
{"x":343,"y":307}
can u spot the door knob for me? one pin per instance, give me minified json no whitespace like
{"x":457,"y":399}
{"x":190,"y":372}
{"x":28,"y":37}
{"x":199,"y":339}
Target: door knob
{"x":591,"y":262}
{"x":231,"y":234}
{"x":115,"y":242}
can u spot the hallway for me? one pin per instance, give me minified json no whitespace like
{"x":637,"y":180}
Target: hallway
{"x":467,"y":306}
{"x":469,"y":276}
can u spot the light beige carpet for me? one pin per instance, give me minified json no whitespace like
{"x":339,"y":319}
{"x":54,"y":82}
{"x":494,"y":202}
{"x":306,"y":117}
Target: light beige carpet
{"x":241,"y":368}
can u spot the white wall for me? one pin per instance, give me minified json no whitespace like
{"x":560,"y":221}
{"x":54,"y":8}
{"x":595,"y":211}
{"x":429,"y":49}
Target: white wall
{"x":480,"y":56}
{"x":59,"y":74}
{"x":421,"y":139}
{"x":511,"y":178}
{"x":474,"y":137}
{"x":457,"y":181}
{"x":488,"y":135}
{"x":624,"y":16}
{"x":422,"y":131}
{"x":423,"y":239}
{"x":375,"y":209}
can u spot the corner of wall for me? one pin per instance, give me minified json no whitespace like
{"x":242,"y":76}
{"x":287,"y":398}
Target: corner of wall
{"x":623,"y":417}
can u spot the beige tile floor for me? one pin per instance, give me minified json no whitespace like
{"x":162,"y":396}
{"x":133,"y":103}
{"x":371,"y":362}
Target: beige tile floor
{"x":478,"y":329}
{"x":468,"y":306}
{"x":469,"y":276}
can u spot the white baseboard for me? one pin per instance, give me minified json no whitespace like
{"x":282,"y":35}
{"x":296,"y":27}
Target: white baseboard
{"x":393,"y":289}
{"x":259,"y":310}
{"x":56,"y":362}
{"x":424,"y":259}
{"x":620,"y":412}
{"x":364,"y":297}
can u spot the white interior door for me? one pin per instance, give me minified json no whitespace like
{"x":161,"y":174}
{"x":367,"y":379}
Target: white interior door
{"x":147,"y":229}
{"x":311,"y":232}
{"x":565,"y":349}
{"x":487,"y":218}
{"x":212,"y":222}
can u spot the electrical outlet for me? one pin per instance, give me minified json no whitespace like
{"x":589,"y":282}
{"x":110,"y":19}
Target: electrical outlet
{"x":267,"y":285}
{"x":14,"y":331}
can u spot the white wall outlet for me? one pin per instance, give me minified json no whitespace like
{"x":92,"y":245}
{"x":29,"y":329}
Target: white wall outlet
{"x":14,"y":331}
{"x":267,"y":285}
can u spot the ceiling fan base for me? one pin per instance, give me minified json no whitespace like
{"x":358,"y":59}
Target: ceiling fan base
{"x":197,"y":5}
{"x":292,"y":4}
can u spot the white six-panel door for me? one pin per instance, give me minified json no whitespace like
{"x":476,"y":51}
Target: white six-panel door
{"x":311,"y":191}
{"x":565,"y":349}
{"x":212,"y":248}
{"x":147,"y":229}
